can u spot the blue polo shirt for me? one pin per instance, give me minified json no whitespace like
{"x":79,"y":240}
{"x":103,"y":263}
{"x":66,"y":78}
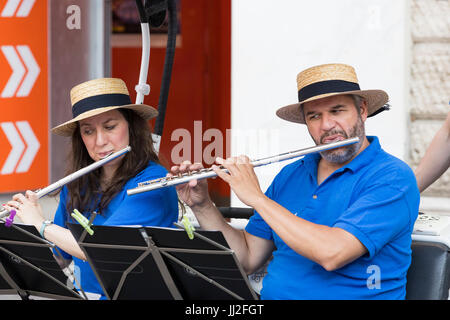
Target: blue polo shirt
{"x":155,"y":208}
{"x":374,"y":197}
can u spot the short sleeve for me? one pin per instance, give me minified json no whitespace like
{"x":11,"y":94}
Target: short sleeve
{"x":379,"y":215}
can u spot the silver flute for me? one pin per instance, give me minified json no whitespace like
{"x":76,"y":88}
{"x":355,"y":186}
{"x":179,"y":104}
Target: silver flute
{"x":73,"y":176}
{"x":209,"y":173}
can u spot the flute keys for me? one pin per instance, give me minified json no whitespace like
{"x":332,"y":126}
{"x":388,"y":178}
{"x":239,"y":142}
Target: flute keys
{"x":146,"y":183}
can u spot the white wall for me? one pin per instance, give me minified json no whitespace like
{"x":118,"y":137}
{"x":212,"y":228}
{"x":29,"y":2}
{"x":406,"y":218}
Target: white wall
{"x":272,"y":41}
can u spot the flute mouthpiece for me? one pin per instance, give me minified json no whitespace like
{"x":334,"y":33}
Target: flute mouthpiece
{"x":109,"y":154}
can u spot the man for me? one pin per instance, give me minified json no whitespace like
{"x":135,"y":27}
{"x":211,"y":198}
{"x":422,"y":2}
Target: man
{"x":338,"y":225}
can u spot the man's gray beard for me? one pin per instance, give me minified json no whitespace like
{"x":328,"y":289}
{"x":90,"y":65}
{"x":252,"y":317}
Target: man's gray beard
{"x":344,"y":154}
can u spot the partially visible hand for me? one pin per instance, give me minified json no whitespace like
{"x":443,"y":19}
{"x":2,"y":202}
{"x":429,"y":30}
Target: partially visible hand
{"x":27,"y":208}
{"x":195,"y":192}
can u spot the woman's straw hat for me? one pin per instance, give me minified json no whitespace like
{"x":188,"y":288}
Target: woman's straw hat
{"x":97,"y":96}
{"x":330,"y":80}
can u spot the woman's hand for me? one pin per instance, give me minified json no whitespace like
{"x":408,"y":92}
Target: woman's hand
{"x":195,"y":192}
{"x":27,"y":208}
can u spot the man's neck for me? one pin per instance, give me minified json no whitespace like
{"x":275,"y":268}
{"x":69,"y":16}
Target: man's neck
{"x":326,"y":168}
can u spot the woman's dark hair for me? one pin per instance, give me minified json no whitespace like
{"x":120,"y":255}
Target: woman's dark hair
{"x":85,"y":193}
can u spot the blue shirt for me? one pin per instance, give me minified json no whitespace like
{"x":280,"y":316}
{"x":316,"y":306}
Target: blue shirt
{"x":155,"y":208}
{"x":374,"y":197}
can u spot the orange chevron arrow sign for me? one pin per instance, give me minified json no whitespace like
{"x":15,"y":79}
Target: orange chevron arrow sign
{"x":17,"y":8}
{"x":24,"y":124}
{"x":21,"y":155}
{"x":28,"y":74}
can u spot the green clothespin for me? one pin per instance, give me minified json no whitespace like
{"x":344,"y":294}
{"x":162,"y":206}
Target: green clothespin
{"x":83,"y":221}
{"x":188,"y":227}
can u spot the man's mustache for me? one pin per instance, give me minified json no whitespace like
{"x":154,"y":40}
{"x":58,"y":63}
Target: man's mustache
{"x":331,"y":133}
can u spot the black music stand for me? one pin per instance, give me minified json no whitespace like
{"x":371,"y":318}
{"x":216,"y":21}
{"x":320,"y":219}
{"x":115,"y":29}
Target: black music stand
{"x":163,"y":264}
{"x":28,"y":267}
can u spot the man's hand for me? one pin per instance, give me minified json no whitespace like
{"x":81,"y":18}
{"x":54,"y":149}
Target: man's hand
{"x":241,"y":178}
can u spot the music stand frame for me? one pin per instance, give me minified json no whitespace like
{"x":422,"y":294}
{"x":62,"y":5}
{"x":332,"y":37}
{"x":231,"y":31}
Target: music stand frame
{"x":157,"y":252}
{"x":42,"y":243}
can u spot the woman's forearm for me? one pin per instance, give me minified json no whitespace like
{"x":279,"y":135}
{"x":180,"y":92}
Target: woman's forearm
{"x":63,"y":239}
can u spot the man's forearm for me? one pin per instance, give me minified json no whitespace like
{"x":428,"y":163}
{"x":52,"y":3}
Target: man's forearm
{"x":330,"y":247}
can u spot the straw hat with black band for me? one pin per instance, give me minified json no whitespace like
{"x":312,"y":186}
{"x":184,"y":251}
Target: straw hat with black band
{"x":96,"y":96}
{"x":330,"y":80}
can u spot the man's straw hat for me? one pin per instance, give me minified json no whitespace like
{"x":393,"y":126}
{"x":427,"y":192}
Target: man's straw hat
{"x":97,"y":96}
{"x":330,"y":80}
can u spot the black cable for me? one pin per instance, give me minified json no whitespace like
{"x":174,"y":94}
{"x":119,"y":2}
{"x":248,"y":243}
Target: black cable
{"x":236,"y":212}
{"x":168,"y":64}
{"x":156,"y":11}
{"x":142,"y":15}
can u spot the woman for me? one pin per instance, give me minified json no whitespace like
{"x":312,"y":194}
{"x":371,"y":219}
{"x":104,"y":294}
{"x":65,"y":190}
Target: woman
{"x":104,"y":121}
